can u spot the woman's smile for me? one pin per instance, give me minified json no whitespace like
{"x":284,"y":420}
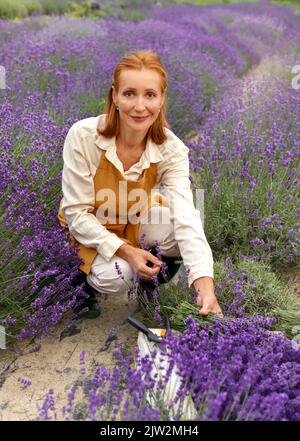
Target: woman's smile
{"x":139,"y":119}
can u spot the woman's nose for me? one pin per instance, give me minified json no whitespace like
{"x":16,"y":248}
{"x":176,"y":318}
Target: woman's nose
{"x":139,"y":104}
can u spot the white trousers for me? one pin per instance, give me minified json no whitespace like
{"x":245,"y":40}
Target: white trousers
{"x":155,"y":226}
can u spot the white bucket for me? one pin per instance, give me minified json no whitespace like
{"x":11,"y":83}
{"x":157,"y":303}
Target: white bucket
{"x":168,"y":394}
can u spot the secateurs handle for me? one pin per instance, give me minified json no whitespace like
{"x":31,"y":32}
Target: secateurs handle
{"x":141,"y":327}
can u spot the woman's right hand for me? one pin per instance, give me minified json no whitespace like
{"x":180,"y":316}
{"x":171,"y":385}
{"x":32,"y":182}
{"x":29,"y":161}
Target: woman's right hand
{"x":138,"y":259}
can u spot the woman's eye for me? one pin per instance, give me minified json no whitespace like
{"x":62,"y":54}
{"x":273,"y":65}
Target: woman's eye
{"x":150,"y":93}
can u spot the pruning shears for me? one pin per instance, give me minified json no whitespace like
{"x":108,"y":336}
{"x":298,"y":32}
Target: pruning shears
{"x":150,"y":335}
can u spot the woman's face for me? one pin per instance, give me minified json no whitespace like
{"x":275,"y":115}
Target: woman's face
{"x":139,"y":96}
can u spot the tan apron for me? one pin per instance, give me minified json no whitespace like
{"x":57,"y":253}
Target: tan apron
{"x":108,"y":176}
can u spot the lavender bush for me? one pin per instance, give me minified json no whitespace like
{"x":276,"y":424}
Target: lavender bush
{"x":246,"y":288}
{"x":240,"y":371}
{"x":247,"y":158}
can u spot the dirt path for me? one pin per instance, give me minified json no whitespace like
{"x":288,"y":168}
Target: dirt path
{"x":57,"y":364}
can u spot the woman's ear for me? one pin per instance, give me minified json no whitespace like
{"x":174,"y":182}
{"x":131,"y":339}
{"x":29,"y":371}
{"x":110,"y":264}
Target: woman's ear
{"x":113,"y":94}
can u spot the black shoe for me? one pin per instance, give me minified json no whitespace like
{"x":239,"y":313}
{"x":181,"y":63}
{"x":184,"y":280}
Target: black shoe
{"x":90,"y":306}
{"x":90,"y":309}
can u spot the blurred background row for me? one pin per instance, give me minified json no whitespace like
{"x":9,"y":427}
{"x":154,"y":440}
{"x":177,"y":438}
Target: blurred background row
{"x":124,"y":9}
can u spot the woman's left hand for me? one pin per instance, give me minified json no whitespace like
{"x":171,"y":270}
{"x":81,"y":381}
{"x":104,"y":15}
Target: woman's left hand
{"x":206,"y":297}
{"x":209,"y":303}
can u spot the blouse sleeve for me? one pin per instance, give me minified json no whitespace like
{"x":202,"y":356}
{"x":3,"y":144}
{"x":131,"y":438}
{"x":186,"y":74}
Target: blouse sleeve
{"x":79,"y":199}
{"x":188,"y":230}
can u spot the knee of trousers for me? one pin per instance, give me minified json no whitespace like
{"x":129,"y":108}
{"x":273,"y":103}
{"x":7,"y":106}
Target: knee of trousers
{"x":158,"y":228}
{"x":106,"y":280}
{"x":170,"y":249}
{"x":168,"y":244}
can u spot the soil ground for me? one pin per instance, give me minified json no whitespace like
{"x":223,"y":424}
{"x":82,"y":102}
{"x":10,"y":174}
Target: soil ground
{"x":57,"y":364}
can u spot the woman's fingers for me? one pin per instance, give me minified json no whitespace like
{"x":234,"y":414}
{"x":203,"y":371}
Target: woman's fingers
{"x":205,"y":311}
{"x":151,"y":271}
{"x":206,"y":307}
{"x":148,"y":273}
{"x":153,"y":259}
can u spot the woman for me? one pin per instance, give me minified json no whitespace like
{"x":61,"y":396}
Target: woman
{"x":113,"y":166}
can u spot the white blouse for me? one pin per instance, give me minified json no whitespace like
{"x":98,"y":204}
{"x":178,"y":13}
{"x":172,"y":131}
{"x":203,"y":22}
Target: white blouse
{"x":81,"y":155}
